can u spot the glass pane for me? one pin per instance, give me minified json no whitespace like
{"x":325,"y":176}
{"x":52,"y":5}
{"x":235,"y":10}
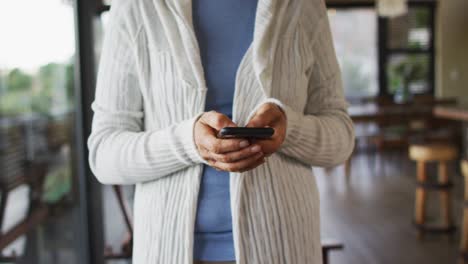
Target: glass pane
{"x":357,"y":56}
{"x":411,"y":30}
{"x":408,"y":73}
{"x":37,"y":113}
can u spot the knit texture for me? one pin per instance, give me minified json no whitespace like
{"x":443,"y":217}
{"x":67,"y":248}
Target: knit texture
{"x":151,"y":90}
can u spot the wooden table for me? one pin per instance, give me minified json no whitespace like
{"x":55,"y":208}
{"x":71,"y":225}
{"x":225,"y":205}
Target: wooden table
{"x":372,"y":112}
{"x":458,"y":113}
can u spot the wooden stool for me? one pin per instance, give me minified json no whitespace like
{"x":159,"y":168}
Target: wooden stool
{"x":441,"y":153}
{"x":464,"y":237}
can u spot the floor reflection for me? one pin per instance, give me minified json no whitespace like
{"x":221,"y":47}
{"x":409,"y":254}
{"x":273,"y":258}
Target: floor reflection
{"x":371,"y":213}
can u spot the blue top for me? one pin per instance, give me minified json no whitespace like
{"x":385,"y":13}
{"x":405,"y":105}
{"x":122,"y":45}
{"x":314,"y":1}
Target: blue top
{"x":224,"y":29}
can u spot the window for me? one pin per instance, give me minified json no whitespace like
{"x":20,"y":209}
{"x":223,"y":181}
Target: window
{"x":390,"y":55}
{"x":409,"y":70}
{"x":411,"y":31}
{"x":357,"y":56}
{"x":408,"y":52}
{"x":37,"y":112}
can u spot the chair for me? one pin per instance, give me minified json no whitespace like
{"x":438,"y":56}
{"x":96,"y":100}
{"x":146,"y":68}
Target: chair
{"x":442,"y":154}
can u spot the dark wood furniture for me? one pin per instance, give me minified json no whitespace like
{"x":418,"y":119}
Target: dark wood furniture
{"x":24,"y":165}
{"x":372,"y":113}
{"x":393,"y":126}
{"x":456,"y":113}
{"x":442,"y":154}
{"x":464,"y":235}
{"x":378,"y":109}
{"x":460,"y":113}
{"x":37,"y":212}
{"x":453,"y":112}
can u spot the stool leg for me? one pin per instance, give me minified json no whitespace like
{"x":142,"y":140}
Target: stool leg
{"x":464,"y":235}
{"x":347,"y":167}
{"x":445,"y":201}
{"x":420,"y":208}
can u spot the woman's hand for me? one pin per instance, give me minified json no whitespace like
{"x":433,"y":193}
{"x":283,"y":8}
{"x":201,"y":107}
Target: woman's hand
{"x":270,"y":115}
{"x":236,"y":155}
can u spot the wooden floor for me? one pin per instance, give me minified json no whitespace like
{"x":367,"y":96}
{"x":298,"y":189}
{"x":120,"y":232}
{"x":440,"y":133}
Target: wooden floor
{"x":371,"y":213}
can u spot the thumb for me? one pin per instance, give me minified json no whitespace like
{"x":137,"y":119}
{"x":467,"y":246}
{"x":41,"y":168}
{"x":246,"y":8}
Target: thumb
{"x":255,"y":121}
{"x":262,"y":119}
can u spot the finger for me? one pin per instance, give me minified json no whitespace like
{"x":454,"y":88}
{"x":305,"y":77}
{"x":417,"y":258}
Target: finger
{"x":234,"y":156}
{"x":239,"y":165}
{"x":216,"y":120}
{"x":268,"y":146}
{"x":254,"y":165}
{"x":210,"y":142}
{"x":262,"y":119}
{"x":220,"y":146}
{"x":235,"y":167}
{"x":213,"y":163}
{"x":204,"y":153}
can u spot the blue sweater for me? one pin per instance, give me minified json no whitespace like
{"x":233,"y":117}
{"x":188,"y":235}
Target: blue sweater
{"x":224,"y":29}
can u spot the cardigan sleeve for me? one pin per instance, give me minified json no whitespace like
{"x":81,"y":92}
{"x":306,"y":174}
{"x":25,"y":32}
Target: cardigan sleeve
{"x":322,"y":135}
{"x":120,"y":152}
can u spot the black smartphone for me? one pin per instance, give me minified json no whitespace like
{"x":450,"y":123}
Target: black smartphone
{"x":246,"y":132}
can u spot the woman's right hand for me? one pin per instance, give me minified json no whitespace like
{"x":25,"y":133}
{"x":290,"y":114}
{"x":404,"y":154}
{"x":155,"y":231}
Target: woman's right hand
{"x":234,"y":155}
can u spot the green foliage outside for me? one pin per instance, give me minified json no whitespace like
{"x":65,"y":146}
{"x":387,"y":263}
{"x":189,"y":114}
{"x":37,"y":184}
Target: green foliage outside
{"x":421,"y":17}
{"x":412,"y":68}
{"x":51,"y":86}
{"x":47,"y":91}
{"x":58,"y":183}
{"x":18,"y":80}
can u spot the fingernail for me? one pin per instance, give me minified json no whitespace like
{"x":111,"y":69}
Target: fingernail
{"x":244,"y":143}
{"x":255,"y":148}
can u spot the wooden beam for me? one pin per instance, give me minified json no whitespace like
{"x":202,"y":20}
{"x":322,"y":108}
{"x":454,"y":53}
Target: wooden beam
{"x":33,"y":220}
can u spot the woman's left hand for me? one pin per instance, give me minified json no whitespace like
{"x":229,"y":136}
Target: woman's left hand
{"x":270,"y":115}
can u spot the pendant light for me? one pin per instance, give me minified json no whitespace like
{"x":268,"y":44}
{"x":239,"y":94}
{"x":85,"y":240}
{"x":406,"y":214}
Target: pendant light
{"x":391,"y":8}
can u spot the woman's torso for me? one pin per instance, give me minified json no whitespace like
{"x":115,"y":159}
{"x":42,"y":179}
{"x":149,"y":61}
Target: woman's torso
{"x":165,"y":210}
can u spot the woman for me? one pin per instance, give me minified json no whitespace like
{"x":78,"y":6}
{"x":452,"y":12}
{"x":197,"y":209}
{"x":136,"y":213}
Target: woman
{"x":172,"y":74}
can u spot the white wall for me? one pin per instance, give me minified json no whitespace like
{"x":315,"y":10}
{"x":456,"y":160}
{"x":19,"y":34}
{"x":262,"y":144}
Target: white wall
{"x":452,"y":49}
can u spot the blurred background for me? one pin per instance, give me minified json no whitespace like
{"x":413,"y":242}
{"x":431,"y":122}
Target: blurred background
{"x":398,"y":199}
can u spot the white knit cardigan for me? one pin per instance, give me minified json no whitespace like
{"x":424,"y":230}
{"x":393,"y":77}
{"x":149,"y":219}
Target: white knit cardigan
{"x":150,"y":91}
